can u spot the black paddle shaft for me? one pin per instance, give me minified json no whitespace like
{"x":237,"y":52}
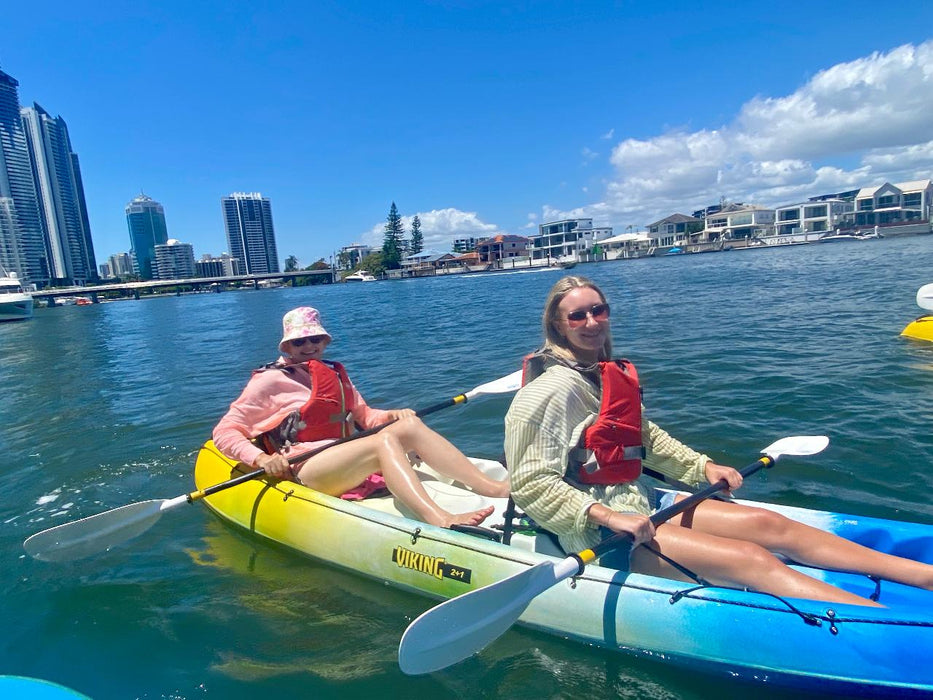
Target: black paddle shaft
{"x":662,"y":516}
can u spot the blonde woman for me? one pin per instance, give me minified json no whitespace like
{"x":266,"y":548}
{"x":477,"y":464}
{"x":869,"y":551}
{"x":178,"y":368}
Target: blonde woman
{"x":575,"y":440}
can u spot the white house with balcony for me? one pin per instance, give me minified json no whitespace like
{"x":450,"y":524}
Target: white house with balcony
{"x":894,"y":205}
{"x":736,"y":222}
{"x":805,"y":222}
{"x":624,"y":245}
{"x":673,"y":230}
{"x":568,"y":240}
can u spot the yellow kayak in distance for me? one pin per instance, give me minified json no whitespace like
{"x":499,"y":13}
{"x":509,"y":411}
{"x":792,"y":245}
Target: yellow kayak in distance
{"x":921,"y":329}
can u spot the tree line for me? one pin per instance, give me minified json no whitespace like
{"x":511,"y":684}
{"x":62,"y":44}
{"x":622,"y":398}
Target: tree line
{"x":394,"y":247}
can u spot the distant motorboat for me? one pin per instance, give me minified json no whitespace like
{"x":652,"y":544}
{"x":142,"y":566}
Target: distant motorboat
{"x":840,"y":238}
{"x":675,"y":251}
{"x":360,"y":276}
{"x":15,"y":302}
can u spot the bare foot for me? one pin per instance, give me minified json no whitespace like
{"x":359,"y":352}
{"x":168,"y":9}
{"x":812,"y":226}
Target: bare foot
{"x":473,"y":518}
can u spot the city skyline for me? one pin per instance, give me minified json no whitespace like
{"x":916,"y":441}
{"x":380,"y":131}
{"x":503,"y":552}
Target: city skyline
{"x":480,"y":118}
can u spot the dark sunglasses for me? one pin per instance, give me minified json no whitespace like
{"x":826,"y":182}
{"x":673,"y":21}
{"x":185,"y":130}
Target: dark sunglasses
{"x":298,"y":342}
{"x":599,"y":312}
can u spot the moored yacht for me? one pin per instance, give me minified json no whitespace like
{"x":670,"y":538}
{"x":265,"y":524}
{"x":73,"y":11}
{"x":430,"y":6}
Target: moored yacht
{"x":360,"y":276}
{"x":15,"y":301}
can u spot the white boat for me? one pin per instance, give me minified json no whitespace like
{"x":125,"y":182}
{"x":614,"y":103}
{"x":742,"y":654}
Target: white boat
{"x":839,"y":238}
{"x":360,"y":276}
{"x":15,"y":302}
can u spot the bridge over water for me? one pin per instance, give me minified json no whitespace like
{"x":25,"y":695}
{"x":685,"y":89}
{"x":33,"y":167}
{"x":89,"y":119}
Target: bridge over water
{"x":135,"y":289}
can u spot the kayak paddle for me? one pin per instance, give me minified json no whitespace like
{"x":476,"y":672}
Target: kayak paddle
{"x":925,"y":297}
{"x":462,"y":626}
{"x":98,"y":533}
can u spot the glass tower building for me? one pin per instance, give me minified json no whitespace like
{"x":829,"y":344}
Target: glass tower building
{"x":57,"y":177}
{"x":251,"y":238}
{"x":145,"y":219}
{"x":22,"y":238}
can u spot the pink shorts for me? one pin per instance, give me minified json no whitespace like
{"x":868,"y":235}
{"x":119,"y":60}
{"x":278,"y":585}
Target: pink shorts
{"x":371,"y":484}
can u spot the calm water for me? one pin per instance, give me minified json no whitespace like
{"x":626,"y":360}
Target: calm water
{"x":107,"y":405}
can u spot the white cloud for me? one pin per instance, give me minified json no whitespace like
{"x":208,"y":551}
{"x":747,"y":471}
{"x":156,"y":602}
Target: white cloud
{"x":875,"y":112}
{"x":609,"y":134}
{"x":439,"y":227}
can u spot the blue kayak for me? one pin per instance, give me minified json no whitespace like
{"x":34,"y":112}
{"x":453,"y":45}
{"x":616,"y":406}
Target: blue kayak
{"x":14,"y":687}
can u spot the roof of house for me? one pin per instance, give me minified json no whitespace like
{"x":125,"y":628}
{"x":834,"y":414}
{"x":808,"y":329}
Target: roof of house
{"x":910,"y":186}
{"x":675,"y":219}
{"x":428,"y":256}
{"x":504,"y":238}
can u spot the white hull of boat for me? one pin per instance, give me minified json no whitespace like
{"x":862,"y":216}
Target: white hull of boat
{"x":17,"y":307}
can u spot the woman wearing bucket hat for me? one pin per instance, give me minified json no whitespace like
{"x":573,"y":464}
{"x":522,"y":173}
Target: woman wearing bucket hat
{"x":302,"y":402}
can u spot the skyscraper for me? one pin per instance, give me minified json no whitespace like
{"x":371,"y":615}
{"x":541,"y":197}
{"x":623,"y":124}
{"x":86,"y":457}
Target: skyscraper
{"x":174,"y":260}
{"x":251,"y":238}
{"x":22,"y":244}
{"x":145,"y":219}
{"x":57,"y":177}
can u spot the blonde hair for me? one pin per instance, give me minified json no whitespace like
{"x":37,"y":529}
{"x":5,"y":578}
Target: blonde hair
{"x":554,"y":341}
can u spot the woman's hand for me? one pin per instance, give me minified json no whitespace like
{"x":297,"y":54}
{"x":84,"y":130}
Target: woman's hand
{"x":275,"y":465}
{"x":639,"y":527}
{"x":400,"y":413}
{"x":715,"y":472}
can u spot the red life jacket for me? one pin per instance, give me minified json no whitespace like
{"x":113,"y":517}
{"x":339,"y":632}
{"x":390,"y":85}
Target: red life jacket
{"x":324,"y":415}
{"x":615,"y":436}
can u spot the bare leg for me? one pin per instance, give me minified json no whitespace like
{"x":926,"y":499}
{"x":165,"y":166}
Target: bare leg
{"x":803,"y":543}
{"x":338,"y":469}
{"x":443,"y":456}
{"x":732,"y":562}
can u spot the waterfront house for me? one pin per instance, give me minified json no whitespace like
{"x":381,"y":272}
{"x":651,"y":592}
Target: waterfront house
{"x":736,"y":222}
{"x":568,"y":240}
{"x":893,"y":205}
{"x":501,"y":247}
{"x":426,"y":263}
{"x":625,"y":245}
{"x":673,"y":230}
{"x":811,"y":217}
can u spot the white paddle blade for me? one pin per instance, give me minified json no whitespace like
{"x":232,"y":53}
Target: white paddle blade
{"x":503,"y":385}
{"x":462,"y":626}
{"x":797,"y":446}
{"x":925,"y":297}
{"x":93,"y":534}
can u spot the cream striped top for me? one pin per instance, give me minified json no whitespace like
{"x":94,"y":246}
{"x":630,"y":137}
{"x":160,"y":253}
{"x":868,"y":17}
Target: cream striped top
{"x":542,"y":430}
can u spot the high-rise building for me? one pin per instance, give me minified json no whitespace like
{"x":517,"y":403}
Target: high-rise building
{"x":121,"y":264}
{"x":57,"y":177}
{"x":145,"y":219}
{"x":22,"y":239}
{"x":174,"y":261}
{"x":248,"y":222}
{"x":224,"y":266}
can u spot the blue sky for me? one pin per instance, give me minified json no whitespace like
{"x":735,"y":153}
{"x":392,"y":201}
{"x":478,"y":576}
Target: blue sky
{"x":480,"y":117}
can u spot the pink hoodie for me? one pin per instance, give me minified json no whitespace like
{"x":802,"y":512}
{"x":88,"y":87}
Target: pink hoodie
{"x":265,"y":402}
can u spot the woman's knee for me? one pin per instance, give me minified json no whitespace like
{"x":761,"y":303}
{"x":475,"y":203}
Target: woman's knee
{"x":754,"y":558}
{"x":387,"y":443}
{"x":405,"y":429}
{"x":772,"y":527}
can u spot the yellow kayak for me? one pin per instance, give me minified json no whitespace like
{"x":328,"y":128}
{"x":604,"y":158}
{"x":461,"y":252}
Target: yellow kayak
{"x":921,"y":329}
